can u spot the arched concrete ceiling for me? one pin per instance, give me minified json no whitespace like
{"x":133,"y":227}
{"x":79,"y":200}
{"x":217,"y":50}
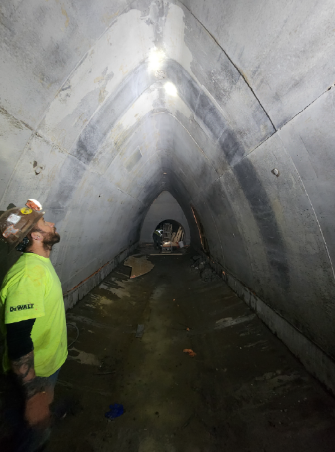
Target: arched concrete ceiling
{"x":98,"y":100}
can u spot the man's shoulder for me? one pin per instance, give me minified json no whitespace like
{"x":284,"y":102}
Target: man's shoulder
{"x":14,"y":274}
{"x":28,"y":261}
{"x":16,"y":268}
{"x":26,"y":266}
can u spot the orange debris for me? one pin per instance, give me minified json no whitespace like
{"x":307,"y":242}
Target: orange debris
{"x":189,"y":351}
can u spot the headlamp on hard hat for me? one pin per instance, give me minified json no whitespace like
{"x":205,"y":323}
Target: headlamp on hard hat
{"x":16,"y":223}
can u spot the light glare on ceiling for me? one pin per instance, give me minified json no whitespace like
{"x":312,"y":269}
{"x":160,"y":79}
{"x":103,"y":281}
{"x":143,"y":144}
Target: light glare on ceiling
{"x":156,"y":58}
{"x":170,"y":89}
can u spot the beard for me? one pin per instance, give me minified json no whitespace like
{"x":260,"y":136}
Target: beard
{"x":50,"y":240}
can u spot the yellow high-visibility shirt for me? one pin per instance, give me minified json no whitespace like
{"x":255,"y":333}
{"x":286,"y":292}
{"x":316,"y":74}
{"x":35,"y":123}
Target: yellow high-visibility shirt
{"x":32,"y":290}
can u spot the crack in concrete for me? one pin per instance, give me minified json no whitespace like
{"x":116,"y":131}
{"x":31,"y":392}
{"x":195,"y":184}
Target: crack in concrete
{"x":286,"y":123}
{"x":312,"y":207}
{"x":16,"y":120}
{"x":307,"y":106}
{"x":250,"y":87}
{"x":34,"y":133}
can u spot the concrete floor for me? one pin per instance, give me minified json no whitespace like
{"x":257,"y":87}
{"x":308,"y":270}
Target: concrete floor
{"x":243,"y":391}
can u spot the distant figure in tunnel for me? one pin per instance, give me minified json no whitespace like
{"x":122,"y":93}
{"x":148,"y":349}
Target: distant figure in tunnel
{"x":157,"y":236}
{"x":32,"y":320}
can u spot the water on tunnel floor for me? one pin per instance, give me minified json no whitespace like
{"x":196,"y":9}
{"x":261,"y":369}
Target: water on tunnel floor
{"x":242,"y":391}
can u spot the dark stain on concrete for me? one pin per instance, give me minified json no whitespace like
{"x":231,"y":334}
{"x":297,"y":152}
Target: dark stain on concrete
{"x":110,"y":112}
{"x":133,"y":160}
{"x":60,"y":196}
{"x":266,"y":220}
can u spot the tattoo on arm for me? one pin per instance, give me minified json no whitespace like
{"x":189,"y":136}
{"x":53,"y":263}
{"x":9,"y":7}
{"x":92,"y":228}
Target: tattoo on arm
{"x":24,"y":370}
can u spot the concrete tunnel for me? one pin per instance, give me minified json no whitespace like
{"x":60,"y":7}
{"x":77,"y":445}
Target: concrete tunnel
{"x":225,"y":108}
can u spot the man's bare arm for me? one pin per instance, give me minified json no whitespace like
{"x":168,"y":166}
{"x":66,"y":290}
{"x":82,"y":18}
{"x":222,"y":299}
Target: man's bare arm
{"x":23,"y":368}
{"x":21,"y":355}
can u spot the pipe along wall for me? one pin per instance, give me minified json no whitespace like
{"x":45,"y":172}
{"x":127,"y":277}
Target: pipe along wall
{"x":226,"y":105}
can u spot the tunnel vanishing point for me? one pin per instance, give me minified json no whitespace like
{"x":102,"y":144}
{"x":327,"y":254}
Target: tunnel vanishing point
{"x":226,"y":105}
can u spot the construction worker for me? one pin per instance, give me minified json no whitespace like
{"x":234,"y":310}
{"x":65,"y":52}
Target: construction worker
{"x":157,"y":237}
{"x":33,"y":319}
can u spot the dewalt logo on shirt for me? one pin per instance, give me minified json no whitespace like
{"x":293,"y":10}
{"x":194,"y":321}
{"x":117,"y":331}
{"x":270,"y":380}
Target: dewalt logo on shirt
{"x":21,"y":307}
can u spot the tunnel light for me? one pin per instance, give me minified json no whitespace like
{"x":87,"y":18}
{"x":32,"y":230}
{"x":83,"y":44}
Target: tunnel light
{"x":156,"y":59}
{"x":170,"y":89}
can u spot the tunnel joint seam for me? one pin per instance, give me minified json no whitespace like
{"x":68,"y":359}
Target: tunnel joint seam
{"x":235,"y":66}
{"x":312,"y":207}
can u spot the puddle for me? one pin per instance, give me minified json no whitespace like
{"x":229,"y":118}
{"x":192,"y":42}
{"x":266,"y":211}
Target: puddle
{"x":253,"y":344}
{"x":84,"y":358}
{"x":230,"y":321}
{"x":119,"y":291}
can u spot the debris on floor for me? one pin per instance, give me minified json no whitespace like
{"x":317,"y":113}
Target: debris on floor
{"x":196,"y":258}
{"x":139,"y":265}
{"x":189,"y":351}
{"x":139,"y":330}
{"x":83,"y":357}
{"x":110,"y":372}
{"x":72,"y":341}
{"x":205,"y":270}
{"x":115,"y":410}
{"x":229,"y":321}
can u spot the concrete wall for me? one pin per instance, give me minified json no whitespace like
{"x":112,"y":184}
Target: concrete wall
{"x":99,"y":99}
{"x":165,"y":207}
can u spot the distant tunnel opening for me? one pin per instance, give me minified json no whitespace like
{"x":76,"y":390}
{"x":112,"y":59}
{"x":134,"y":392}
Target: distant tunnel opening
{"x":175,"y":226}
{"x":169,"y":231}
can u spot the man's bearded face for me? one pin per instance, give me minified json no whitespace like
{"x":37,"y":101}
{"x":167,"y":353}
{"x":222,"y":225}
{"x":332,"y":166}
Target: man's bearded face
{"x":50,"y":238}
{"x":48,"y":230}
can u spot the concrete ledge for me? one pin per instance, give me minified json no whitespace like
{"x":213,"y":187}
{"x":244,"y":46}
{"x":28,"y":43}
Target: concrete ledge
{"x":77,"y":293}
{"x":315,"y":360}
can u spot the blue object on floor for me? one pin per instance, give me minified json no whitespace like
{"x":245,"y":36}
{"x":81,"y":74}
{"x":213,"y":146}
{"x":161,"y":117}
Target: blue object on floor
{"x":115,"y":410}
